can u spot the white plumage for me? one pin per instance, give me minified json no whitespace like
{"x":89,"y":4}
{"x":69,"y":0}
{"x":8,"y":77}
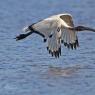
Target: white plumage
{"x":25,"y":29}
{"x":56,"y":29}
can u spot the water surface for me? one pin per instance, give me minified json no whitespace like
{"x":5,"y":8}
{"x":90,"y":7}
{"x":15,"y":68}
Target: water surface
{"x":26,"y":68}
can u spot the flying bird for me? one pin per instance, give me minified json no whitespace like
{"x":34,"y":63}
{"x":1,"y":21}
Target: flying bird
{"x":55,"y":30}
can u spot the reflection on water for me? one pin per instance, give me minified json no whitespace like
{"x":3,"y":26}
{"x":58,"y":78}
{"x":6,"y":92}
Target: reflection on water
{"x":66,"y":72}
{"x":71,"y":71}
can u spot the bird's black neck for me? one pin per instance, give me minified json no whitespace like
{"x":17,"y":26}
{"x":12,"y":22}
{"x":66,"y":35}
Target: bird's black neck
{"x":29,"y":33}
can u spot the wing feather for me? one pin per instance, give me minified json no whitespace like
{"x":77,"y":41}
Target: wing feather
{"x":69,"y":36}
{"x":45,"y":26}
{"x":54,"y":44}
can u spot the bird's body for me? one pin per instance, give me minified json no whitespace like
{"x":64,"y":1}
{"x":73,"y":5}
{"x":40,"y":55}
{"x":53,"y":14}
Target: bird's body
{"x":56,"y":29}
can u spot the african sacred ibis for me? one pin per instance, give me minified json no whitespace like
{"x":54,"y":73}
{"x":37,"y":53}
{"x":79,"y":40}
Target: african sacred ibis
{"x":55,"y":30}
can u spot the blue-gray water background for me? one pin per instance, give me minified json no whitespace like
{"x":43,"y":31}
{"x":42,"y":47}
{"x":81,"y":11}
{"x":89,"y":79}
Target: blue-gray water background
{"x":26,"y":68}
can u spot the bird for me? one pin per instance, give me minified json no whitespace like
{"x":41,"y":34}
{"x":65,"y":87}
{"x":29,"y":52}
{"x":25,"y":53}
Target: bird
{"x":56,"y":30}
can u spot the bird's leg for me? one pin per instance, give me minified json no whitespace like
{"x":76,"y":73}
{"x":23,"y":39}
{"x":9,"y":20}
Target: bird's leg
{"x":82,"y":28}
{"x":90,"y":29}
{"x":79,"y":28}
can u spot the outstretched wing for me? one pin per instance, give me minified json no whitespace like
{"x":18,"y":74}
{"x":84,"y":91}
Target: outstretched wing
{"x":54,"y":43}
{"x":69,"y":36}
{"x":45,"y":26}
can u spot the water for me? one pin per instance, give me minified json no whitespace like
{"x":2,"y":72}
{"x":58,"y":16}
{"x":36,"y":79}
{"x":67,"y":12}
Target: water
{"x":26,"y":68}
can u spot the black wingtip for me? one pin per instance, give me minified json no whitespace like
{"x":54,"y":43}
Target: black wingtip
{"x":56,"y":53}
{"x":72,"y":45}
